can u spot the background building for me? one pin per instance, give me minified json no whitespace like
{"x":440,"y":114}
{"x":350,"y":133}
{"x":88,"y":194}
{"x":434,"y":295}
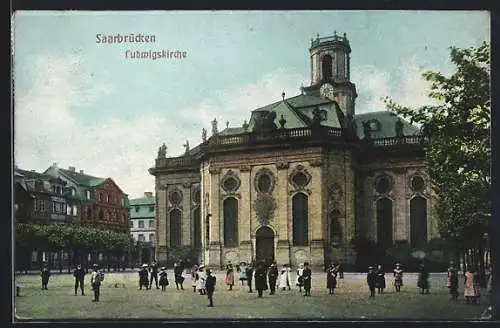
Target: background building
{"x":301,"y":180}
{"x":143,"y":226}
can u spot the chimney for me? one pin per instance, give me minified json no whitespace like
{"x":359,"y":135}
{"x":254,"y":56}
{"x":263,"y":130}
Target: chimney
{"x":148,"y":194}
{"x":81,"y":171}
{"x":71,"y":168}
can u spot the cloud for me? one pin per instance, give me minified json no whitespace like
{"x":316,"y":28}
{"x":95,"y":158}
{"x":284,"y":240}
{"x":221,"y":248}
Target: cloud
{"x":47,"y":129}
{"x":405,"y":86}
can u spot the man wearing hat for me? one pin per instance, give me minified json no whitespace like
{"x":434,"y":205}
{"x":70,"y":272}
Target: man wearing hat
{"x":179,"y":279}
{"x":95,"y":280}
{"x":398,"y":277}
{"x":210,"y":287}
{"x":163,"y":279}
{"x":371,"y":279}
{"x":306,"y":277}
{"x":143,"y":277}
{"x":45,"y":274}
{"x":154,"y":275}
{"x":273,"y":277}
{"x":79,"y":275}
{"x":260,"y":278}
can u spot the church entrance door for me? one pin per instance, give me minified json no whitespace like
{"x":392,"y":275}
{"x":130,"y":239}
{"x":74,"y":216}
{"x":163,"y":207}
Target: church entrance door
{"x":264,"y":245}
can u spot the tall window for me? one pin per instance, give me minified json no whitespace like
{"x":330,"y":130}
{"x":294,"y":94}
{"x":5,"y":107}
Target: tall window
{"x":151,"y":224}
{"x":335,"y":228}
{"x":151,"y":237}
{"x":140,"y":237}
{"x":197,"y":227}
{"x":230,"y":208}
{"x":87,"y":194}
{"x":384,"y":222}
{"x":418,"y":221}
{"x":326,"y":67}
{"x":175,"y":228}
{"x":300,"y":219}
{"x":141,"y":224}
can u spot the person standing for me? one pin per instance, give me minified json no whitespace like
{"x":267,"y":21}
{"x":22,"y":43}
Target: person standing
{"x":153,"y":268}
{"x":398,"y":277}
{"x":423,"y":280}
{"x":179,"y":279}
{"x":229,"y":275}
{"x":340,"y":270}
{"x":45,"y":274}
{"x":299,"y":280}
{"x":470,"y":290}
{"x":96,"y":278}
{"x":201,"y":282}
{"x":210,"y":287}
{"x":260,"y":279}
{"x":242,"y":272}
{"x":79,"y":274}
{"x":163,"y":279}
{"x":306,"y":274}
{"x":284,"y":281}
{"x":380,"y":279}
{"x":194,"y":277}
{"x":273,"y":277}
{"x":452,"y":283}
{"x":371,"y":280}
{"x":331,"y":278}
{"x":250,"y":273}
{"x":143,"y":277}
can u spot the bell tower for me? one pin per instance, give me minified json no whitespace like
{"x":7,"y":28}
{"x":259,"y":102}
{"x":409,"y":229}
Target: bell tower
{"x":331,"y":71}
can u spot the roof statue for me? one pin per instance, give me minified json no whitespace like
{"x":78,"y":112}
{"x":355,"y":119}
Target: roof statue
{"x":186,"y":145}
{"x":245,"y":126}
{"x":227,"y":124}
{"x":366,"y":130}
{"x":282,"y":121}
{"x":214,"y":127}
{"x":162,"y":151}
{"x":204,"y":134}
{"x":398,"y":126}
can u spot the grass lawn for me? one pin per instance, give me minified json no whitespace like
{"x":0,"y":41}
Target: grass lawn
{"x":350,"y":301}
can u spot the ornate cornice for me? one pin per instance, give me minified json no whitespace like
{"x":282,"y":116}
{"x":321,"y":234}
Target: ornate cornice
{"x":245,"y":168}
{"x":187,"y":185}
{"x":282,"y":165}
{"x":230,"y":175}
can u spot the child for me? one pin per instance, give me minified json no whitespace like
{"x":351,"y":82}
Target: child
{"x":470,"y":291}
{"x":380,"y":279}
{"x":163,"y":279}
{"x":210,"y":286}
{"x":371,"y":279}
{"x":331,"y":278}
{"x":423,"y":280}
{"x":201,"y":283}
{"x":299,"y":282}
{"x":194,"y":277}
{"x":398,"y":277}
{"x":453,"y":282}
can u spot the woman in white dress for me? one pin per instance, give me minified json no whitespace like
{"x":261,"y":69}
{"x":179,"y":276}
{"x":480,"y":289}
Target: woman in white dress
{"x":284,"y":279}
{"x":298,"y":280}
{"x":200,"y":283}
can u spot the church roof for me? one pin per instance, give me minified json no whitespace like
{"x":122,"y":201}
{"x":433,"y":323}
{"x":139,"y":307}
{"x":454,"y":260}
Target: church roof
{"x":386,"y":124}
{"x":298,"y":101}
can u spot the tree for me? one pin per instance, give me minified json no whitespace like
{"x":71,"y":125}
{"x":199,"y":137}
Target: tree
{"x":458,"y":150}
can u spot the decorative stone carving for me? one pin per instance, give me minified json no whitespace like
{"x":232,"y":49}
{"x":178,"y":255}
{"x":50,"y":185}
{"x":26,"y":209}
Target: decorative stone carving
{"x":282,"y":165}
{"x":316,"y":162}
{"x":186,"y":185}
{"x":196,"y":195}
{"x":417,"y":182}
{"x":299,"y":178}
{"x":175,"y":198}
{"x":335,"y":192}
{"x":264,"y":207}
{"x":264,"y":181}
{"x":162,"y":151}
{"x":214,"y":127}
{"x":214,"y":170}
{"x":230,"y":182}
{"x":245,"y":168}
{"x":383,"y":184}
{"x":204,"y":135}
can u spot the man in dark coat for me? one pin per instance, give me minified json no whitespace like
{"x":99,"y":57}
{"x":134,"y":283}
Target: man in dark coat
{"x":273,"y":277}
{"x":45,"y":274}
{"x":306,"y":276}
{"x":380,"y":283}
{"x":331,"y":278}
{"x":260,"y":278}
{"x":143,"y":277}
{"x":371,"y":280}
{"x":249,"y":277}
{"x":453,"y":282}
{"x":179,"y":279}
{"x":340,"y":270}
{"x":153,"y":268}
{"x":79,"y":274}
{"x":423,"y":280}
{"x":210,"y":287}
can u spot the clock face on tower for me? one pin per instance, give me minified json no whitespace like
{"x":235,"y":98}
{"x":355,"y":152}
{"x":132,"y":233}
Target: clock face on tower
{"x":326,"y":90}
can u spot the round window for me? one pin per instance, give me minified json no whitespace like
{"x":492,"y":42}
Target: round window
{"x":264,"y":183}
{"x":230,"y":184}
{"x":383,"y":185}
{"x":417,"y":183}
{"x":300,"y":179}
{"x":175,"y":197}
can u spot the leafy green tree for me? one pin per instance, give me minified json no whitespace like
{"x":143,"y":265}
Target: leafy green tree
{"x":458,"y":151}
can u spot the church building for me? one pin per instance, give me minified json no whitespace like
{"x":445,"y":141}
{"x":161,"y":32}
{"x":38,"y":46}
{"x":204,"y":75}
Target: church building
{"x":299,"y":180}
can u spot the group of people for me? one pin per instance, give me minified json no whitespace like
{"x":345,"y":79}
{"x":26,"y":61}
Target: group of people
{"x":472,"y":291}
{"x":377,"y":283}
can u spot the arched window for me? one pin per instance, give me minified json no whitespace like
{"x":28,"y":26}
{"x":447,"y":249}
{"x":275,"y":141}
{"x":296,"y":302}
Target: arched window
{"x":335,"y":228}
{"x":326,"y":67}
{"x":175,"y":228}
{"x":384,"y":222}
{"x":300,"y":219}
{"x":230,"y":209}
{"x":418,"y":221}
{"x":197,"y":227}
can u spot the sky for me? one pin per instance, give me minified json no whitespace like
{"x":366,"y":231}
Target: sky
{"x":85,"y":104}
